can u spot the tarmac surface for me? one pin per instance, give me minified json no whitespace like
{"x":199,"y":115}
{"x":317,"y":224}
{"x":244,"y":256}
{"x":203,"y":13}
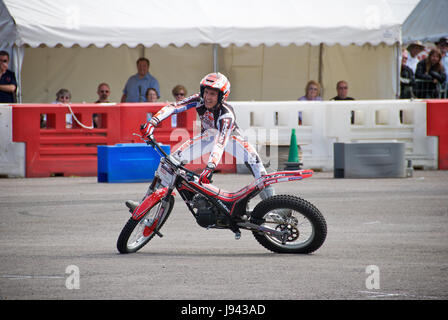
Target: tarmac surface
{"x":387,"y":240}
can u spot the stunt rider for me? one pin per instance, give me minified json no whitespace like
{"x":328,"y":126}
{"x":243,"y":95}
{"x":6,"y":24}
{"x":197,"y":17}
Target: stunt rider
{"x":219,"y":132}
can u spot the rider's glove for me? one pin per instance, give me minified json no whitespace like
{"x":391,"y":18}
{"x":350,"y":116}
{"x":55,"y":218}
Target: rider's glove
{"x":206,"y":175}
{"x":147,"y":129}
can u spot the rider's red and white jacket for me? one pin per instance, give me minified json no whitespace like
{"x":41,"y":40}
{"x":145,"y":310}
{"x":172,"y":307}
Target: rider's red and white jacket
{"x":222,"y":119}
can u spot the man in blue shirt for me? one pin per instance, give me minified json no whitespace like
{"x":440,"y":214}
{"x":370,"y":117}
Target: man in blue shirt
{"x":137,"y":85}
{"x":8,"y":84}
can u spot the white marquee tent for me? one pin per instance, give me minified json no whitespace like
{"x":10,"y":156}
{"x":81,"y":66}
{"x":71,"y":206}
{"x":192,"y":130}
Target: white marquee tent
{"x":428,"y":22}
{"x":269,"y":49}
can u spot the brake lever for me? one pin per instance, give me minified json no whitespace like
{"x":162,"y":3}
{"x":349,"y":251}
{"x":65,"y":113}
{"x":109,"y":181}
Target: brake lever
{"x":148,"y":141}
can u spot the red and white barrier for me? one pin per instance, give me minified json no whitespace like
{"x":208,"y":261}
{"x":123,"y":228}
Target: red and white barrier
{"x":31,"y":151}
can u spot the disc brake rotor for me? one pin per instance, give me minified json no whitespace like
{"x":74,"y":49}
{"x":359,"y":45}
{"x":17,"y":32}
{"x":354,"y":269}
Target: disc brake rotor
{"x":293,"y":233}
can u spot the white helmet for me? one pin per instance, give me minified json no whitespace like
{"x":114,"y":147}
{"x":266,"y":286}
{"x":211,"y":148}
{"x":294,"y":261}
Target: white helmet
{"x":216,"y":81}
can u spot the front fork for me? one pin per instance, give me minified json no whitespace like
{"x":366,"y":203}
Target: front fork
{"x":152,"y":186}
{"x":161,"y":213}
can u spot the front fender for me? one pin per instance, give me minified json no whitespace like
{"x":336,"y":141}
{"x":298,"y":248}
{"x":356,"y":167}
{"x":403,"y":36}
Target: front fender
{"x":148,"y":203}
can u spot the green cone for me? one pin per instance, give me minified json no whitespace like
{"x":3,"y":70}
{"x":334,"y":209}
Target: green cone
{"x":293,"y":149}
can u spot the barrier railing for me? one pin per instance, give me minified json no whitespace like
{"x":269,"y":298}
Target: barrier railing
{"x":56,"y":148}
{"x":12,"y":154}
{"x":320,"y":124}
{"x":427,"y":89}
{"x":53,"y":148}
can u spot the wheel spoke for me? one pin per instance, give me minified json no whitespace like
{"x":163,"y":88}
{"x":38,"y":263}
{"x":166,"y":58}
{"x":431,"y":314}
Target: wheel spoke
{"x":137,"y":237}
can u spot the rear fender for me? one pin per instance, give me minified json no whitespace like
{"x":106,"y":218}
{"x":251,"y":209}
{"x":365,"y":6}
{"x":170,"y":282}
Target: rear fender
{"x":285,"y":176}
{"x":148,"y":203}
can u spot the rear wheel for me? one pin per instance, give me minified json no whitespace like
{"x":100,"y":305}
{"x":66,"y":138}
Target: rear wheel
{"x":137,"y":233}
{"x":306,"y":227}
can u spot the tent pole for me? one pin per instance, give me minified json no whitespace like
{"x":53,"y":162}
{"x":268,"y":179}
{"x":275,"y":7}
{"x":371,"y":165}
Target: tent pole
{"x":321,"y":51}
{"x":215,"y":57}
{"x":398,"y":70}
{"x":18,"y":54}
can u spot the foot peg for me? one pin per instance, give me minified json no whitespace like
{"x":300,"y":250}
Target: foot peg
{"x":158,"y":233}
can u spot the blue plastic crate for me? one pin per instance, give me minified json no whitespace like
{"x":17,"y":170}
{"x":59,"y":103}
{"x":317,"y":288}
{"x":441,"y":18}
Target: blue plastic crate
{"x":128,"y":162}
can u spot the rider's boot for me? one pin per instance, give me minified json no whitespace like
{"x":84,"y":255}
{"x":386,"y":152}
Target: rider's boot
{"x":132,"y":205}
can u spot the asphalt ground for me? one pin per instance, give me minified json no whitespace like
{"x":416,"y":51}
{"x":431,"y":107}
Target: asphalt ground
{"x":387,"y":240}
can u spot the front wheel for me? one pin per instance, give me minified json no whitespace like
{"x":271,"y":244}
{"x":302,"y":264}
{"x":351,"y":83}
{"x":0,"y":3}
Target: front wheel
{"x":306,"y":227}
{"x":137,"y":233}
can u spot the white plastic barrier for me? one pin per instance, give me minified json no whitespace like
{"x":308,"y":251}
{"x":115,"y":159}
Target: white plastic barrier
{"x":324,"y":123}
{"x":12,"y":154}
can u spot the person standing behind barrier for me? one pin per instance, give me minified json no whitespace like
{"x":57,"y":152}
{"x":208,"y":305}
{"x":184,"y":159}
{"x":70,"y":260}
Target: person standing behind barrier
{"x":103,"y":92}
{"x":63,"y":96}
{"x":430,"y":69}
{"x":406,"y":77}
{"x":414,"y":49}
{"x":151,"y":95}
{"x":312,"y":92}
{"x":342,"y":90}
{"x":8,"y":84}
{"x":137,"y":85}
{"x":442,"y":45}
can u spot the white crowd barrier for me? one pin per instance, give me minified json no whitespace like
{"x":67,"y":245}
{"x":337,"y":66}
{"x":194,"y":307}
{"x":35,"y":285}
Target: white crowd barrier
{"x":12,"y":154}
{"x":324,"y":123}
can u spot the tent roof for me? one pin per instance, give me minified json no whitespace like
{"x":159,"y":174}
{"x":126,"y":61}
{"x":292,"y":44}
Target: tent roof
{"x":194,"y":22}
{"x":428,"y":22}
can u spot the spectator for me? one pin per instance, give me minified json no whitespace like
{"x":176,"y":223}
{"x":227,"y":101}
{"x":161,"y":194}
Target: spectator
{"x":8,"y":84}
{"x":103,"y":92}
{"x":151,"y":95}
{"x":442,"y":45}
{"x":312,"y":92}
{"x":430,"y":69}
{"x":64,"y":96}
{"x":342,"y":90}
{"x":406,"y":77}
{"x":179,"y":92}
{"x":414,"y":49}
{"x":138,"y":84}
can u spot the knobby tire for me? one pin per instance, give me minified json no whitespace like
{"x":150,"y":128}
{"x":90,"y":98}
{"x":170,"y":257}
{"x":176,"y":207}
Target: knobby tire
{"x":305,"y":209}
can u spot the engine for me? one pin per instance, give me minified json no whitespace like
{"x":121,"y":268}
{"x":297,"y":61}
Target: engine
{"x":207,"y":215}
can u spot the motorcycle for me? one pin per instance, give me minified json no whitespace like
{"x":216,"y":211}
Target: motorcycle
{"x":280,"y":223}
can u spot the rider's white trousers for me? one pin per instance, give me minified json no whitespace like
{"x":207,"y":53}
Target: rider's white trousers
{"x":238,"y":147}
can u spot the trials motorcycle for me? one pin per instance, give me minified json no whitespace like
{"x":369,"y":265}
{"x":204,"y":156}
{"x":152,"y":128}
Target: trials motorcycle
{"x":280,"y":223}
